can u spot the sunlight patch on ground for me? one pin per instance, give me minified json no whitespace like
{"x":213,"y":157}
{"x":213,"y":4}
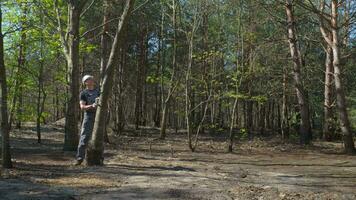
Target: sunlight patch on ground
{"x":83,"y":181}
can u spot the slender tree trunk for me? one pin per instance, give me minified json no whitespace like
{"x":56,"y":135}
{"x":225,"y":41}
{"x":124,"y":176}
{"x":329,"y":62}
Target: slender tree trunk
{"x":17,"y":100}
{"x":171,"y":83}
{"x":249,"y":106}
{"x":4,"y":128}
{"x":297,"y":65}
{"x":188,"y":103}
{"x":328,"y":97}
{"x":139,"y":77}
{"x":158,"y":91}
{"x":262,"y":118}
{"x":105,"y":39}
{"x":120,"y":118}
{"x":285,"y":123}
{"x":232,"y":125}
{"x":339,"y":90}
{"x":40,"y":86}
{"x":144,"y":64}
{"x":21,"y":63}
{"x":96,"y":147}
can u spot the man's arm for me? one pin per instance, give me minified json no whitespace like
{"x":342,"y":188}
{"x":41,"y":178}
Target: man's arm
{"x":86,"y":107}
{"x":83,"y":102}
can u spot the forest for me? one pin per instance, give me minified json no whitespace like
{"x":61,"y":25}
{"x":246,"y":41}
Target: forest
{"x":199,"y":99}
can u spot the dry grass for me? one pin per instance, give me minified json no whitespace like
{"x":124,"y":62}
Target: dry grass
{"x":81,"y":181}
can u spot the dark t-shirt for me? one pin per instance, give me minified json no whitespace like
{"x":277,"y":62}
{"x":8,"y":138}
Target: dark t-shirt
{"x":89,"y":96}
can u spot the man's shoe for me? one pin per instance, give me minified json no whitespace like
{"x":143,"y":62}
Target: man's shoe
{"x":78,"y":162}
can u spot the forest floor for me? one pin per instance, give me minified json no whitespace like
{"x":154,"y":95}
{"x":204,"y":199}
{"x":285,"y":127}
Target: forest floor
{"x":138,"y":169}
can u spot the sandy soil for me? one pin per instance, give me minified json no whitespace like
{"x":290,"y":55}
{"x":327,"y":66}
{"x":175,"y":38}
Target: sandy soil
{"x":138,"y":167}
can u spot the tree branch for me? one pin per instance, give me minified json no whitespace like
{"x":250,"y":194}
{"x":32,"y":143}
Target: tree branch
{"x":60,"y":29}
{"x":83,"y":13}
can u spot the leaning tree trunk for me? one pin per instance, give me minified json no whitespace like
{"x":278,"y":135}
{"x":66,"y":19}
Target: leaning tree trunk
{"x":4,"y":128}
{"x":96,"y":147}
{"x":297,"y":65}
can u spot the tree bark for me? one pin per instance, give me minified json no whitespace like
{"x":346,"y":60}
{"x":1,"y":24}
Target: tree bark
{"x":332,"y":39}
{"x":297,"y":65}
{"x":4,"y":129}
{"x":96,"y":147}
{"x":328,"y":91}
{"x":172,"y":78}
{"x":285,"y":123}
{"x":70,"y":43}
{"x":105,"y":39}
{"x":339,"y":90}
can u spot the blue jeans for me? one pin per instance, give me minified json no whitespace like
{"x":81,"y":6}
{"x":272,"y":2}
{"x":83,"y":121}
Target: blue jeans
{"x":85,"y":134}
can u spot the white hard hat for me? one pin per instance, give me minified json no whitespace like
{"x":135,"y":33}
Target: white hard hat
{"x":86,"y":77}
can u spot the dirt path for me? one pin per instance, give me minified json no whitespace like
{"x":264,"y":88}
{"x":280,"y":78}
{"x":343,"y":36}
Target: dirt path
{"x":137,"y":169}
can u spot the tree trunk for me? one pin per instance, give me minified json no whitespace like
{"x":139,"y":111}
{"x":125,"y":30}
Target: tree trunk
{"x":139,"y":76}
{"x":188,"y":102}
{"x":249,"y":118}
{"x":171,"y":83}
{"x":4,"y":129}
{"x":332,"y":39}
{"x":297,"y":65}
{"x":285,"y":123}
{"x":70,"y":43}
{"x":96,"y":147}
{"x":40,"y":86}
{"x":328,"y":97}
{"x":339,"y":90}
{"x":262,"y":118}
{"x":105,"y":39}
{"x":232,"y":124}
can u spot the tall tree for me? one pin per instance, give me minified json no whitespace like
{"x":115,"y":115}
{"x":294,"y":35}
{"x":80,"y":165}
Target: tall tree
{"x":104,"y":42}
{"x":6,"y":155}
{"x":333,"y":41}
{"x":305,"y":128}
{"x":70,"y":42}
{"x":96,"y":147}
{"x":172,"y":85}
{"x":330,"y":30}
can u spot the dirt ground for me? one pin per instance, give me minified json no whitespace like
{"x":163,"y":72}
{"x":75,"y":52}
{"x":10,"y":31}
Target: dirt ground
{"x":138,"y":167}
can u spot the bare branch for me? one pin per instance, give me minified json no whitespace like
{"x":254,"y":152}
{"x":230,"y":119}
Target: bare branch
{"x":83,"y":13}
{"x":60,"y":29}
{"x":97,"y":27}
{"x":138,"y":7}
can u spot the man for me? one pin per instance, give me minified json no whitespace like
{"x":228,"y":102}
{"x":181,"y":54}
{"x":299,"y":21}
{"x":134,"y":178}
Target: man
{"x":88,"y":105}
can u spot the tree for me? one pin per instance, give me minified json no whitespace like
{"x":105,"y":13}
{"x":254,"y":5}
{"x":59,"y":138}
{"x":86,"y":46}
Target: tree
{"x":96,"y":147}
{"x":305,"y":134}
{"x":70,"y":43}
{"x":104,"y":42}
{"x":333,"y":41}
{"x":4,"y":128}
{"x":172,"y":85}
{"x":329,"y":28}
{"x":328,"y":95}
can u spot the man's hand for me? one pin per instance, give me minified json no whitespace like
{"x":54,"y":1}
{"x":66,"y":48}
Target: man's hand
{"x":94,"y":105}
